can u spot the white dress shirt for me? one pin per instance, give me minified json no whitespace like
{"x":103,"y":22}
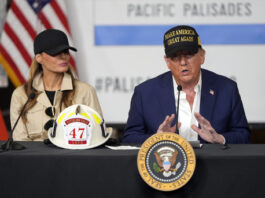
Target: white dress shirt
{"x":186,"y":115}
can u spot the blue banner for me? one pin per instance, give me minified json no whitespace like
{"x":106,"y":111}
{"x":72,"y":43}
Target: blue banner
{"x":232,"y":34}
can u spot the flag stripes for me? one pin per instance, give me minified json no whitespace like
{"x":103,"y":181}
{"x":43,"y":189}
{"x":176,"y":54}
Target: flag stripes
{"x":25,"y":19}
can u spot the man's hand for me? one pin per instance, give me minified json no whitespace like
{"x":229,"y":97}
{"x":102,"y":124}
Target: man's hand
{"x":207,"y":132}
{"x":166,"y":125}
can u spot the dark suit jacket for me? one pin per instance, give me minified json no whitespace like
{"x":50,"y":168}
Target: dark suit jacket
{"x":154,"y":99}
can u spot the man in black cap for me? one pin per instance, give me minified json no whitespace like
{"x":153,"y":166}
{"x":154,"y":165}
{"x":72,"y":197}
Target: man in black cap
{"x":210,"y":107}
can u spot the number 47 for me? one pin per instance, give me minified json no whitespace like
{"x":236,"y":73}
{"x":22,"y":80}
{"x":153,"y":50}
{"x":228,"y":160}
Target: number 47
{"x":80,"y":131}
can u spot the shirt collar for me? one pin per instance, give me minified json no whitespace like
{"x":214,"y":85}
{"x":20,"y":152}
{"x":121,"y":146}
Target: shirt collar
{"x":198,"y":87}
{"x":66,"y":83}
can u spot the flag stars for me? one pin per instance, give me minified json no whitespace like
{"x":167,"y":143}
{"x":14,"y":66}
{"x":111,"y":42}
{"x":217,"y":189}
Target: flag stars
{"x":35,"y":5}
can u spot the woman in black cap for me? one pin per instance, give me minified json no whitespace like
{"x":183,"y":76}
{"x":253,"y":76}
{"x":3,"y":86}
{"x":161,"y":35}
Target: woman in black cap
{"x":51,"y":87}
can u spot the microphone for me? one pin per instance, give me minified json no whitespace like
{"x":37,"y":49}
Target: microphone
{"x":10,"y":144}
{"x":177,"y":115}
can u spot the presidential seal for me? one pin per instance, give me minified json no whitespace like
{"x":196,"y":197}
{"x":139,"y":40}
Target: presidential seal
{"x":166,"y":161}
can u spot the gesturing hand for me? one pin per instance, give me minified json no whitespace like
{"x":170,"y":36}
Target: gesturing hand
{"x":166,"y":125}
{"x":207,"y":132}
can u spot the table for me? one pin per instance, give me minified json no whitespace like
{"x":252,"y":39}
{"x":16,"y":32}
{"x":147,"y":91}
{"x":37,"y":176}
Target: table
{"x":47,"y":171}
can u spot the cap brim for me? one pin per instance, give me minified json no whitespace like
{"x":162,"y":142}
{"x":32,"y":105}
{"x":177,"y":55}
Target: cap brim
{"x":59,"y":49}
{"x":174,"y":50}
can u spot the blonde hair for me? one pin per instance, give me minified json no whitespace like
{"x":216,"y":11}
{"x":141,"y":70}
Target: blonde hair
{"x":35,"y":69}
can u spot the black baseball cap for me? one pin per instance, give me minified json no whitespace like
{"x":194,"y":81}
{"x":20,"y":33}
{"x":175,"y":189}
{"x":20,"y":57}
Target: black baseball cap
{"x":181,"y":38}
{"x":52,"y":42}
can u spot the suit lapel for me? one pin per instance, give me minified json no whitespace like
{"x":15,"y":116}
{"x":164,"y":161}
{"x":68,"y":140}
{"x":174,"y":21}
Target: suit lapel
{"x":166,"y":96}
{"x":167,"y":99}
{"x":208,"y":96}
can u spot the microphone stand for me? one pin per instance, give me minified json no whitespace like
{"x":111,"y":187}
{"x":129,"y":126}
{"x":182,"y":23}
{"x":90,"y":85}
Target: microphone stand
{"x":177,"y":115}
{"x":10,"y":144}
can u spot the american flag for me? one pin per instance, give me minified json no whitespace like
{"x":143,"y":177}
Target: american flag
{"x":25,"y":19}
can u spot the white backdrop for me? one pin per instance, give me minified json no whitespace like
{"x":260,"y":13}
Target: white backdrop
{"x":120,"y":45}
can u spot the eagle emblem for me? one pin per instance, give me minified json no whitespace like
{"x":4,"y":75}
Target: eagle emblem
{"x":166,"y":158}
